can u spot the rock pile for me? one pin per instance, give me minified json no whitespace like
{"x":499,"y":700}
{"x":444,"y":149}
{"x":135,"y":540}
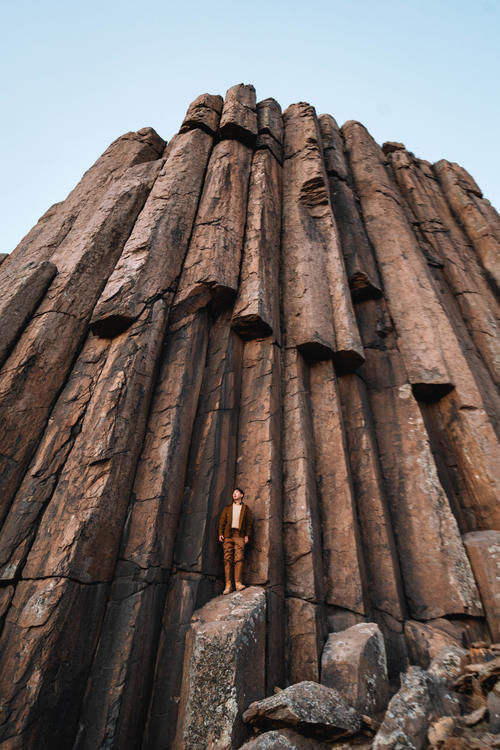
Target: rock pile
{"x":273,"y":302}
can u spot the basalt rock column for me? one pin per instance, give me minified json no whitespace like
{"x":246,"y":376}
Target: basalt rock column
{"x":118,"y":691}
{"x":426,"y":531}
{"x":316,"y":300}
{"x":62,"y":224}
{"x":212,"y":265}
{"x":460,"y":267}
{"x":20,"y":294}
{"x":153,"y":255}
{"x":256,"y":311}
{"x":54,"y":336}
{"x":475,"y":214}
{"x":417,"y":314}
{"x":362,"y":272}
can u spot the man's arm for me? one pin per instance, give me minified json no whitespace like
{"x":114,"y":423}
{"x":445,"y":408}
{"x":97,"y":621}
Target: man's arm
{"x":222,"y":521}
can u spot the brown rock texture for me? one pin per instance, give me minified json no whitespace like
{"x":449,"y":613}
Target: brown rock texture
{"x":354,"y":663}
{"x":272,"y":302}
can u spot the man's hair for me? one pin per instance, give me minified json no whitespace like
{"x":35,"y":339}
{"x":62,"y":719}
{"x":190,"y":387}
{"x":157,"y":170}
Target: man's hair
{"x":239,"y":490}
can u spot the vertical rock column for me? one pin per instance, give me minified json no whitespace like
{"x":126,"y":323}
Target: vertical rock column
{"x":427,"y":535}
{"x":212,"y":265}
{"x":316,"y":298}
{"x":256,"y":314}
{"x":54,"y":336}
{"x":418,"y":317}
{"x":301,"y":525}
{"x":119,"y":687}
{"x":421,"y":189}
{"x":467,"y":417}
{"x":364,"y":281}
{"x":154,"y":253}
{"x":475,"y":214}
{"x":384,"y":588}
{"x":75,"y":550}
{"x":343,"y":563}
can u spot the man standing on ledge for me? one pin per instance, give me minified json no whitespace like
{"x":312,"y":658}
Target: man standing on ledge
{"x":235,"y":526}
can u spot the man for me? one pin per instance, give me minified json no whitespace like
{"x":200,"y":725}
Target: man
{"x":235,"y":526}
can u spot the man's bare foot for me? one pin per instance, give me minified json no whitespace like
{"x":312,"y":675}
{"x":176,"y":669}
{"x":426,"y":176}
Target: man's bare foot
{"x":227,"y":590}
{"x":240,"y":587}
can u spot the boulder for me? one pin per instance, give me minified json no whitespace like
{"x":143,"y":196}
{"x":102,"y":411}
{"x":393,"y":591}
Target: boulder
{"x":284,"y":739}
{"x":223,"y":670}
{"x":354,"y":663}
{"x":312,"y":709}
{"x":406,"y":722}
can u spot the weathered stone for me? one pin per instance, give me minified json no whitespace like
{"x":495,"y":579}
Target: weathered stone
{"x":436,"y":573}
{"x":408,"y":714}
{"x":117,"y":694}
{"x":493,"y":703}
{"x":379,"y":550}
{"x":390,"y":146}
{"x":79,"y":535}
{"x":212,"y":265}
{"x":158,"y":492}
{"x":3,"y":257}
{"x":305,"y":635}
{"x":258,"y":463}
{"x":203,"y":113}
{"x":449,"y":662}
{"x":223,"y":671}
{"x":461,"y":270}
{"x":20,"y":293}
{"x":362,"y":272}
{"x":65,"y":423}
{"x":342,"y":556}
{"x":153,"y":255}
{"x":354,"y":663}
{"x":270,"y":126}
{"x":256,"y":311}
{"x":54,"y":336}
{"x":210,"y":474}
{"x":239,"y":114}
{"x":483,"y":549}
{"x":312,"y":709}
{"x":477,"y":215}
{"x":284,"y":739}
{"x":417,"y":314}
{"x":425,"y":642}
{"x":63,"y":223}
{"x":317,"y":306}
{"x":118,"y":689}
{"x":187,"y":592}
{"x":47,"y":656}
{"x":301,"y":521}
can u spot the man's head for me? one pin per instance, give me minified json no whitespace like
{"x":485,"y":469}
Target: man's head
{"x":238,"y":495}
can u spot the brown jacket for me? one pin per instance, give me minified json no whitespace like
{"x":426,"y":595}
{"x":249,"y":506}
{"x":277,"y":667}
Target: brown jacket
{"x":227,"y":516}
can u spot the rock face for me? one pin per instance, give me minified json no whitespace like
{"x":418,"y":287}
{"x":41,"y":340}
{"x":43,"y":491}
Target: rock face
{"x":272,"y":302}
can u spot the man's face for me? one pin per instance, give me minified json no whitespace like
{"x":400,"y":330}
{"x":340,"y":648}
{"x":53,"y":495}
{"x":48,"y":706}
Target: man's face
{"x":237,"y":497}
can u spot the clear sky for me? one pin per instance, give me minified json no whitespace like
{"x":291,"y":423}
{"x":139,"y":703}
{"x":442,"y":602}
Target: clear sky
{"x":76,"y":74}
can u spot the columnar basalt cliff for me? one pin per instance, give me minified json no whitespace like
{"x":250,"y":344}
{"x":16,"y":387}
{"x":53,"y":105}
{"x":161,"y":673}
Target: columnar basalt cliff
{"x":268,"y":301}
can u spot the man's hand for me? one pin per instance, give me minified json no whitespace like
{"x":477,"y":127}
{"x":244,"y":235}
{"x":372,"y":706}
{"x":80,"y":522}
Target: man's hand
{"x":221,"y":538}
{"x":246,"y":540}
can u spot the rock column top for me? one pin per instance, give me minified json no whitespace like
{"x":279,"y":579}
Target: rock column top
{"x":270,"y":124}
{"x":239,"y":115}
{"x":203,"y":113}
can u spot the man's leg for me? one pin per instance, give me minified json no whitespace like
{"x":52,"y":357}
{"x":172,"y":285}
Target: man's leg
{"x":228,"y":547}
{"x":239,"y":555}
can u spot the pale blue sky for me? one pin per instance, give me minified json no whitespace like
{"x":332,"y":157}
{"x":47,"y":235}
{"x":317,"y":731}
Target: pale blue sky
{"x":76,"y":75}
